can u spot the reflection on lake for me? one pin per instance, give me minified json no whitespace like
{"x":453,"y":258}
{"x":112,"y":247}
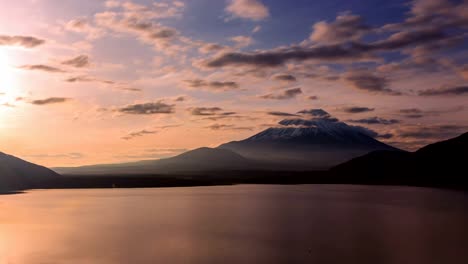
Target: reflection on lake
{"x":236,"y":224}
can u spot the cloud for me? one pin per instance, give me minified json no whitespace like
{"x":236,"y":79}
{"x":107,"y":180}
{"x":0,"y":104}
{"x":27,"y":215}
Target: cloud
{"x":409,"y":38}
{"x":138,"y":134}
{"x":112,"y":3}
{"x":218,"y":126}
{"x":287,"y":94}
{"x":81,"y":25}
{"x":140,"y":21}
{"x":256,"y":29}
{"x":242,"y":41}
{"x":412,"y":112}
{"x":323,"y":53}
{"x":212,"y":85}
{"x":431,"y":27}
{"x":414,"y":116}
{"x":435,"y":13}
{"x":157,"y":10}
{"x":72,"y":155}
{"x":130,"y":89}
{"x":333,"y":47}
{"x":167,"y":126}
{"x":227,"y":127}
{"x":426,"y":7}
{"x":419,"y":113}
{"x":50,"y":100}
{"x":298,"y":122}
{"x":375,"y":121}
{"x":346,"y":27}
{"x":80,"y":79}
{"x":226,"y":115}
{"x":211,"y":47}
{"x":7,"y":104}
{"x":315,"y":112}
{"x":180,"y":99}
{"x":458,"y":90}
{"x":248,"y":9}
{"x":23,"y":41}
{"x":433,"y":132}
{"x":318,"y":115}
{"x":78,"y":62}
{"x":368,"y":81}
{"x":284,"y":77}
{"x":276,"y":113}
{"x":42,"y":67}
{"x":93,"y":79}
{"x":148,"y":109}
{"x":205,"y":111}
{"x":356,"y":110}
{"x":278,"y":57}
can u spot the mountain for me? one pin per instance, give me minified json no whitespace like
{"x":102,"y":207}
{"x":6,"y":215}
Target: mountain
{"x":452,"y":152}
{"x":202,"y":159}
{"x":317,"y":143}
{"x":17,"y":174}
{"x":439,"y":164}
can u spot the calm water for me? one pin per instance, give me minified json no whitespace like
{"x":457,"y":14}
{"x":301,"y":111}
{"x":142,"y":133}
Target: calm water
{"x":236,"y":224}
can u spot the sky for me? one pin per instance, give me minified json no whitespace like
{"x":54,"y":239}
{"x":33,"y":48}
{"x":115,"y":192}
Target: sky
{"x":86,"y":82}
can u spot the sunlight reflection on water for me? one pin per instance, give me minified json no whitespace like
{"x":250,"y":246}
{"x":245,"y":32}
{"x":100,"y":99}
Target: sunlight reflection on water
{"x":235,"y":224}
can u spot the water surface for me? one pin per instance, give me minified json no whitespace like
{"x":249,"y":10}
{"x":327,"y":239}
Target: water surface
{"x":236,"y":224}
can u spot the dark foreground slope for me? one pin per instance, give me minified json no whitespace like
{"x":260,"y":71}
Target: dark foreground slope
{"x":443,"y":164}
{"x":17,"y":174}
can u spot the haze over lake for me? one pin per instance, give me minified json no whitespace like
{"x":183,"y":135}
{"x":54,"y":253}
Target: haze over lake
{"x":236,"y":224}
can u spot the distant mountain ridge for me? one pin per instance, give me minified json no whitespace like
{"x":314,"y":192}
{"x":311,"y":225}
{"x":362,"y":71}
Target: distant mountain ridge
{"x":318,"y":142}
{"x":442,"y":164}
{"x":200,"y":159}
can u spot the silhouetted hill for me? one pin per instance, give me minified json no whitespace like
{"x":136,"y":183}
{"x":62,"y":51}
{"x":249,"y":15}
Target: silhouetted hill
{"x":17,"y":174}
{"x":453,"y":151}
{"x":202,"y":159}
{"x":439,"y":164}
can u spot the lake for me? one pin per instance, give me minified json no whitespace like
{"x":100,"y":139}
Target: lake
{"x":236,"y":224}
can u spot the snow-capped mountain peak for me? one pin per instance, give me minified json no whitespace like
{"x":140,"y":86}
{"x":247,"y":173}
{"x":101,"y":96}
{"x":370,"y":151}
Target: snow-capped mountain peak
{"x":324,"y":125}
{"x":314,"y":140}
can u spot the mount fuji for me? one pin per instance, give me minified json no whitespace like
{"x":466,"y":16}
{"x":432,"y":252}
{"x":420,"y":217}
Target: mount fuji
{"x":316,"y":140}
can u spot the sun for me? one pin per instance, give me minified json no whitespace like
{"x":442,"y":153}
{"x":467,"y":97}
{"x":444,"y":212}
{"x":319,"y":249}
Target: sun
{"x":8,"y":87}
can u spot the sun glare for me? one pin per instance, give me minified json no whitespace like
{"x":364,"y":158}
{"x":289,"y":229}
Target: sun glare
{"x":7,"y":80}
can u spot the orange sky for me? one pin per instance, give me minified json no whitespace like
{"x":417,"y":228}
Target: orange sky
{"x":85,"y":82}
